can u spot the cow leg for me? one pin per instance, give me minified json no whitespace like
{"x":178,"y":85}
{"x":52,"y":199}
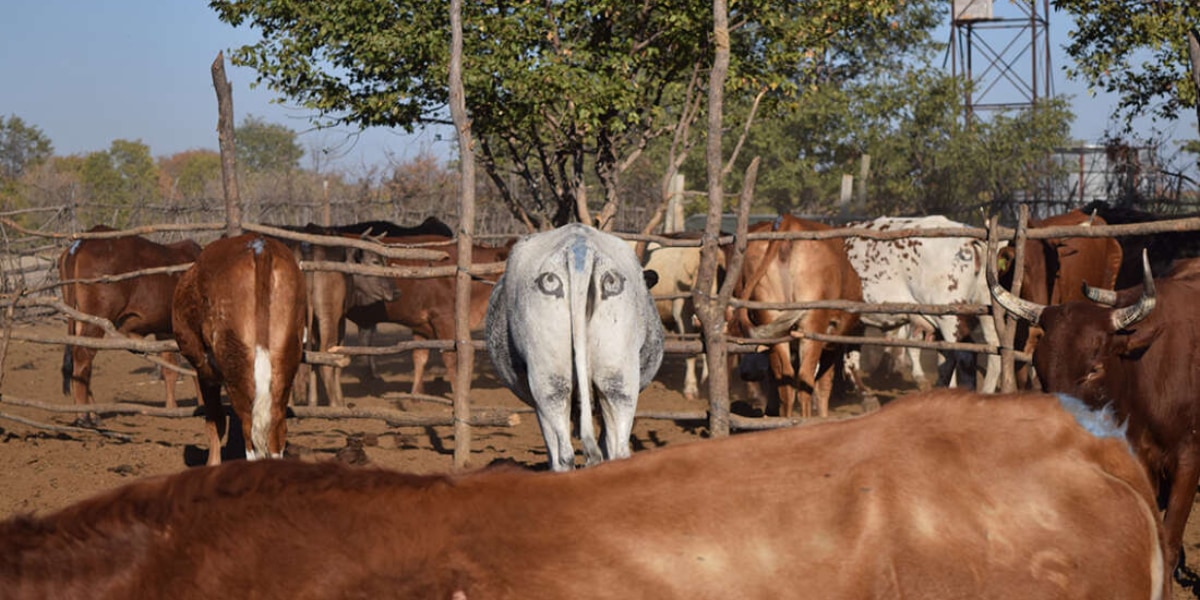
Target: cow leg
{"x":214,"y":419}
{"x":81,"y":383}
{"x":785,"y":377}
{"x":170,"y":377}
{"x":823,"y":387}
{"x":1179,"y":502}
{"x":420,"y":357}
{"x":810,"y":360}
{"x":618,"y":405}
{"x":552,"y":398}
{"x":365,"y":335}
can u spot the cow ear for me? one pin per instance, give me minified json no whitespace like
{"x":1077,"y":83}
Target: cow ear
{"x":1137,"y":342}
{"x":1004,"y":259}
{"x":651,"y":277}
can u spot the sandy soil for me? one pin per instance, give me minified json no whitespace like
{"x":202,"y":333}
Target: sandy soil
{"x":45,"y":470}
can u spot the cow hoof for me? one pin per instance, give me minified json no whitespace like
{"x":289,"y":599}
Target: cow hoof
{"x":87,"y":421}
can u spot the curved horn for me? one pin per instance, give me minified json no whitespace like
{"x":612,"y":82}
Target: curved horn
{"x":1100,"y":295}
{"x":780,"y":326}
{"x":1024,"y":309}
{"x":1124,"y":317}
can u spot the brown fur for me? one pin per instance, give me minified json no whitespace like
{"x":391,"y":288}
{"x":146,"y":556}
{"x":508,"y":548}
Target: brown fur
{"x":231,"y":301}
{"x":1149,"y":374}
{"x":140,"y":306}
{"x":427,"y":305}
{"x":943,"y":495}
{"x":798,"y":271}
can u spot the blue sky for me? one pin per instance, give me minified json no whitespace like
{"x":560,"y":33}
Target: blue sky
{"x":87,"y":72}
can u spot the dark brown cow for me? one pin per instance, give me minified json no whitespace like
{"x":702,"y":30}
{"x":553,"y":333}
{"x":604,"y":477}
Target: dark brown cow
{"x":1140,"y":359}
{"x":427,"y":305}
{"x":946,"y":494}
{"x":138,"y":306}
{"x":1057,"y":268}
{"x":239,"y":318}
{"x":797,"y":271}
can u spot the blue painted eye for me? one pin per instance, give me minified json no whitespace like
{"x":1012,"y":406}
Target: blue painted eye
{"x":550,"y":284}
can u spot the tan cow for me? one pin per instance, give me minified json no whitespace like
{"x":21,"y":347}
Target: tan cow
{"x":947,"y":494}
{"x":239,"y":318}
{"x":790,"y":271}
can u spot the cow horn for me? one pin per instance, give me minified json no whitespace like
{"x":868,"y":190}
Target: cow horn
{"x":781,"y":325}
{"x":1124,"y":317}
{"x":1024,"y":309}
{"x":1100,"y":295}
{"x":1091,"y":220}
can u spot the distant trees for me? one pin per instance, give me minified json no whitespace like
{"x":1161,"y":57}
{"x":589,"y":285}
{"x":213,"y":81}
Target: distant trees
{"x":264,"y":147}
{"x":21,"y":146}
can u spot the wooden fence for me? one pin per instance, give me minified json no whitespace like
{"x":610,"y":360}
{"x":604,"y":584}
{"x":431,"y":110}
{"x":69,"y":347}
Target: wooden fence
{"x":41,"y":299}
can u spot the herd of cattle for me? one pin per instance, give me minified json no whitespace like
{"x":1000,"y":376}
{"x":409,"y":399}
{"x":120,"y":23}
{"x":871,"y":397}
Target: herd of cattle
{"x":943,"y":493}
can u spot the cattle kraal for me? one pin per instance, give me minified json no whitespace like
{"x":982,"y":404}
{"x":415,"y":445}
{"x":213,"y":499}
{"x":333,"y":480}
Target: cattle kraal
{"x":572,"y":312}
{"x":946,"y":494}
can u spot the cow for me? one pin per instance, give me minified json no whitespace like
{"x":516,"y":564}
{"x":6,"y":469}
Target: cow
{"x":796,"y":271}
{"x":572,"y":314}
{"x":331,"y":294}
{"x":239,"y":318}
{"x":1164,"y":248}
{"x":677,"y":267}
{"x":138,"y":306}
{"x":946,"y":494}
{"x":932,"y":270}
{"x":1055,"y":270}
{"x":426,"y":305}
{"x":430,"y":226}
{"x":1135,"y":352}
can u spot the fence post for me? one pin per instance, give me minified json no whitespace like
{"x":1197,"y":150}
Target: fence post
{"x":233,"y":200}
{"x":464,"y":349}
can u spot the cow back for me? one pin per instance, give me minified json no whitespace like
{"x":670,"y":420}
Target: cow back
{"x":1017,"y":496}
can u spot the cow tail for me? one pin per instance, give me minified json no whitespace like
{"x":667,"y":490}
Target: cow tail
{"x":260,"y":424}
{"x":66,"y":272}
{"x":579,"y":278}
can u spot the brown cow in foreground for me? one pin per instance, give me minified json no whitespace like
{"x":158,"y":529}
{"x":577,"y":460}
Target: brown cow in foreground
{"x":1141,"y":359}
{"x":139,"y":306}
{"x":239,"y":318}
{"x":946,"y":494}
{"x":797,"y":271}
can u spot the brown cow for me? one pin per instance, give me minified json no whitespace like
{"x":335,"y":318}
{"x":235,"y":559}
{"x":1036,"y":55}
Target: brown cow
{"x":797,"y":271}
{"x":330,"y":295}
{"x":1057,"y":268}
{"x":239,"y":318}
{"x":427,"y":305}
{"x":946,"y":494}
{"x":1139,"y":358}
{"x":137,"y":306}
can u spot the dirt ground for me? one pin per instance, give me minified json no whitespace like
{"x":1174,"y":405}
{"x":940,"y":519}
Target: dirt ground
{"x":45,"y":470}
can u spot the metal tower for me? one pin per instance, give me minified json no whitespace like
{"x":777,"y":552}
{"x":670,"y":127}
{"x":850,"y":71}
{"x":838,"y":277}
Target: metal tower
{"x":1003,"y":50}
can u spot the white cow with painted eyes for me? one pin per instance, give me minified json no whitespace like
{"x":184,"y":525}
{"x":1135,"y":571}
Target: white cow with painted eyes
{"x":572,"y":314}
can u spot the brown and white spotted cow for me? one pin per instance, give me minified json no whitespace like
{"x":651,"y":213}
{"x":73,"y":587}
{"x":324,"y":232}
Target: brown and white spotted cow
{"x":947,"y":494}
{"x":239,"y":318}
{"x":138,"y":306}
{"x":789,"y":271}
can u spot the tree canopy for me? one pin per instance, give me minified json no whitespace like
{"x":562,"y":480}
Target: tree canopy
{"x":1146,"y":52}
{"x":266,"y":147}
{"x":559,"y":91}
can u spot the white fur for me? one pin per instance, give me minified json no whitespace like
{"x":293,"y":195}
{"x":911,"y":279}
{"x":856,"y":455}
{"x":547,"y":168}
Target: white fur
{"x":260,"y":424}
